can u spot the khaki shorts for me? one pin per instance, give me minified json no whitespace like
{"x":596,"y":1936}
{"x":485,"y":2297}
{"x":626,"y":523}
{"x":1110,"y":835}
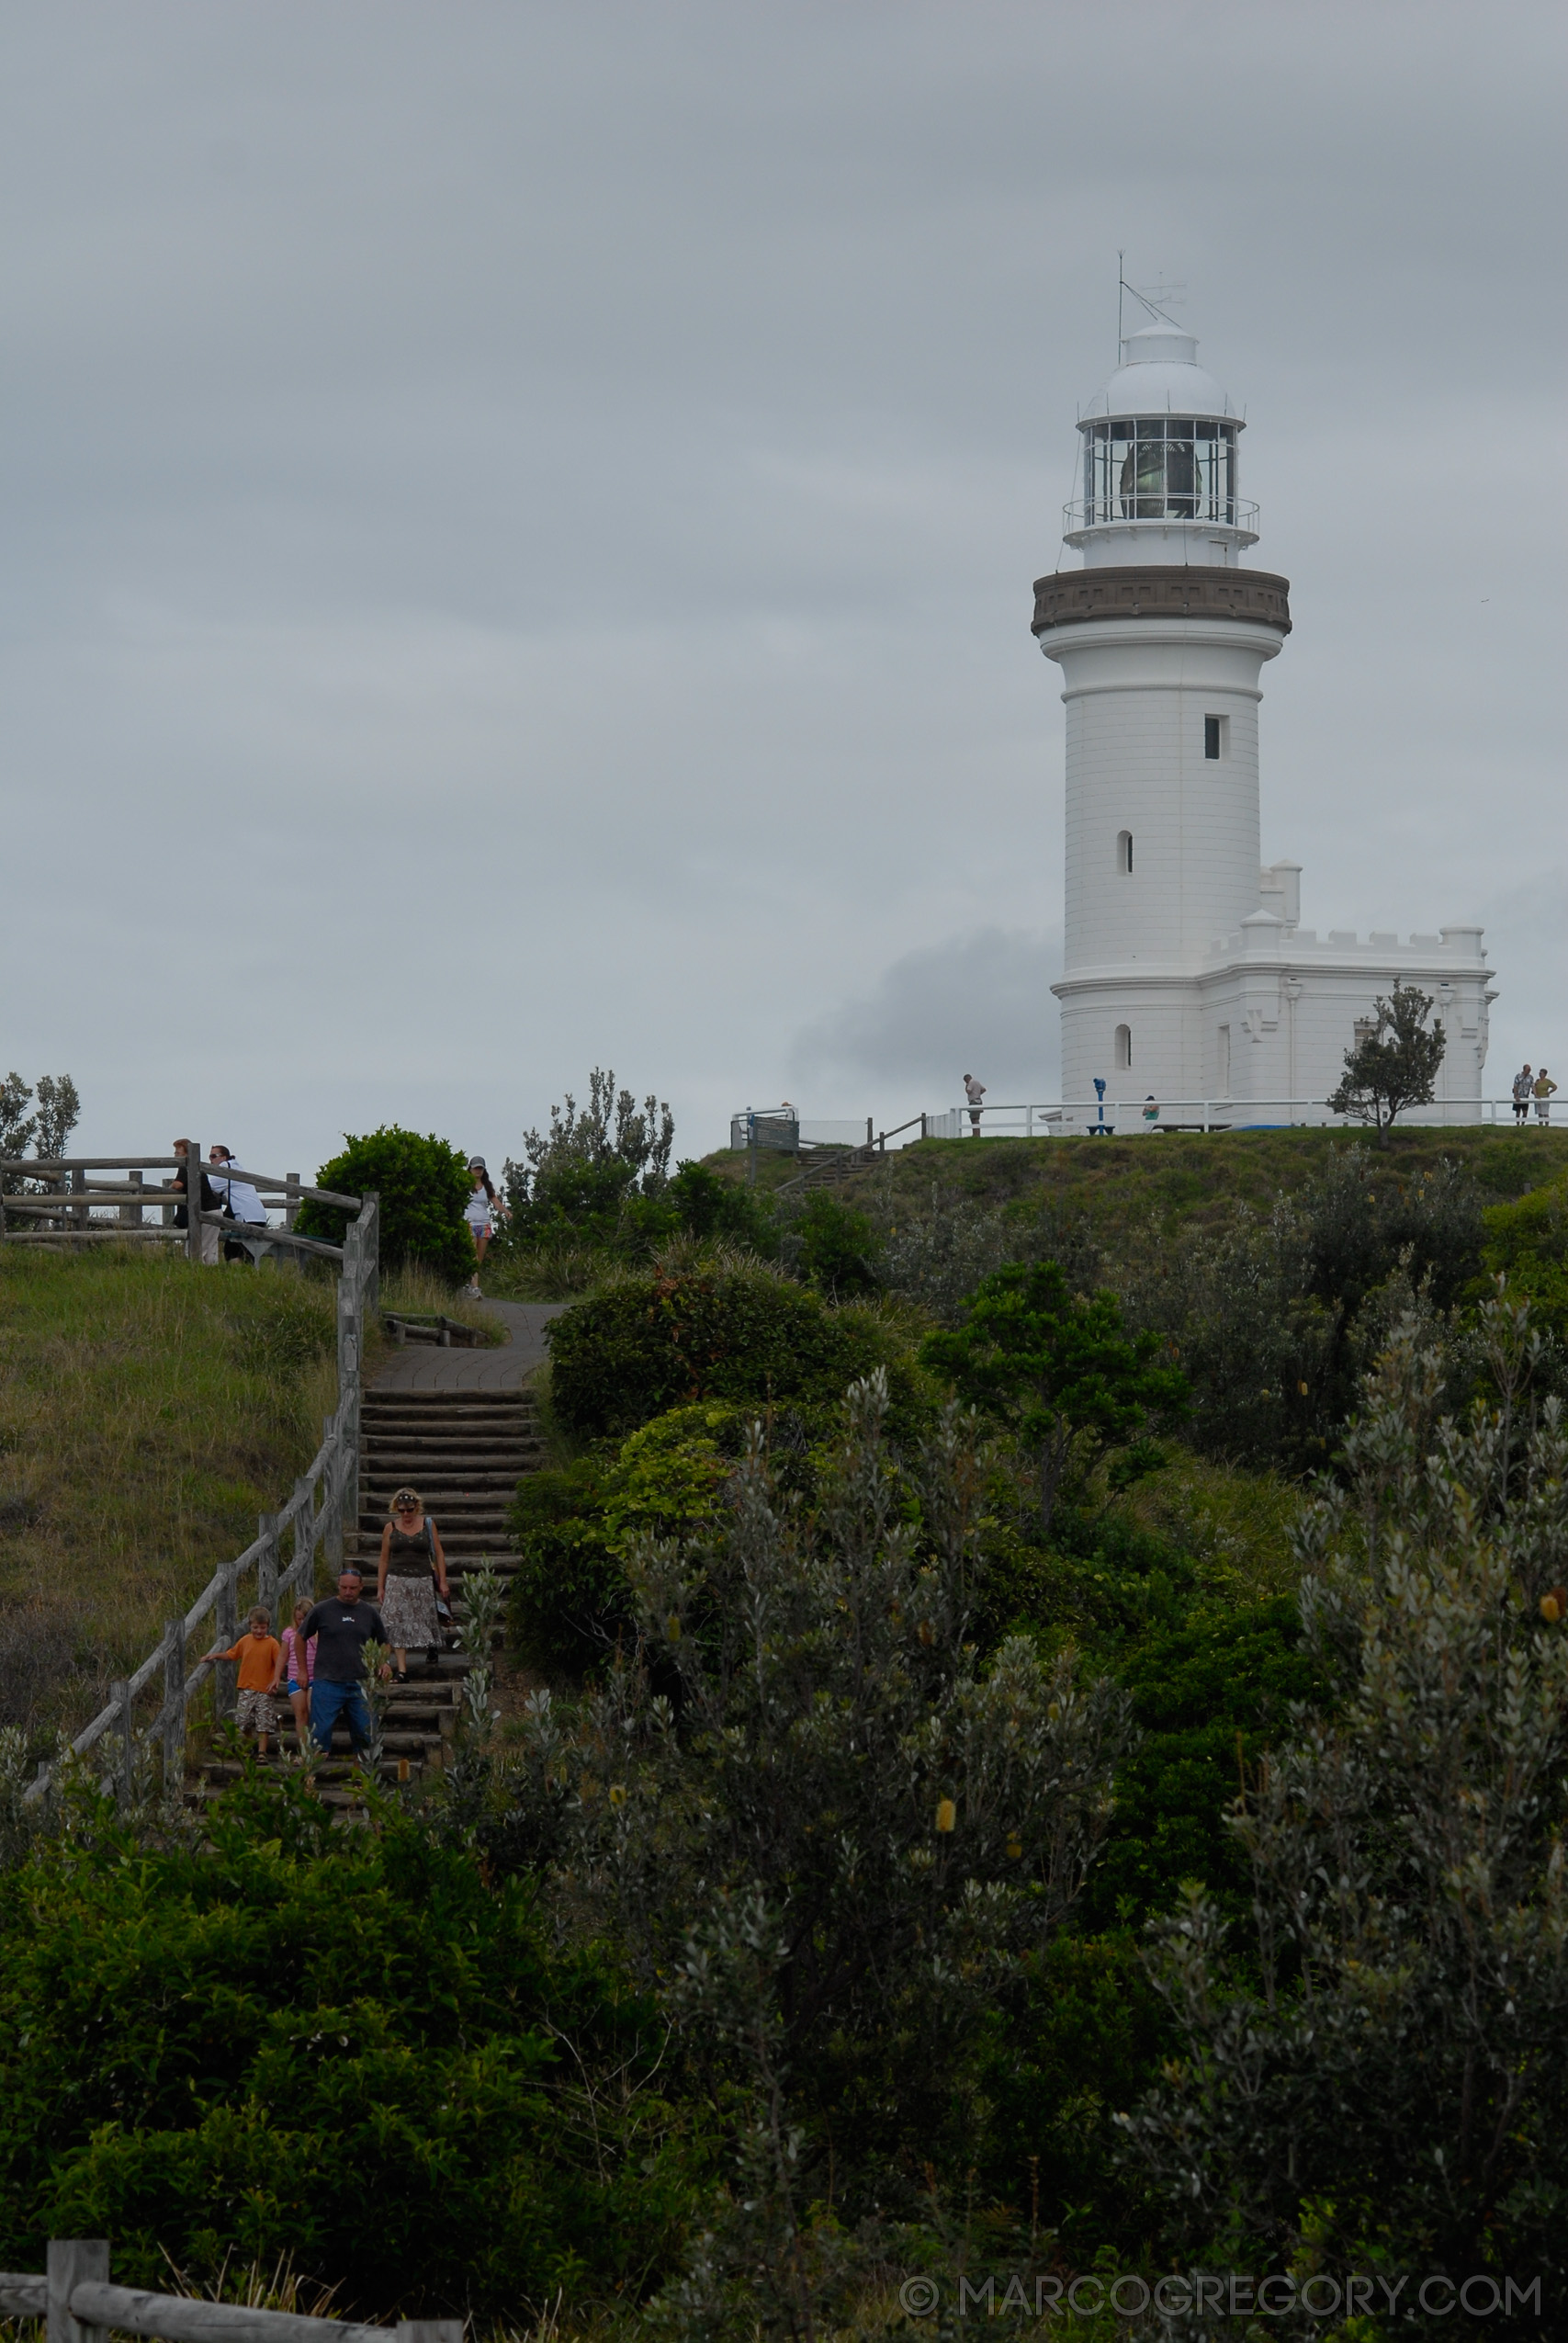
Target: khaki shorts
{"x":256,"y":1712}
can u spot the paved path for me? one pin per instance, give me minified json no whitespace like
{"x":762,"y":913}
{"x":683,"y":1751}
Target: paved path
{"x":424,"y":1367}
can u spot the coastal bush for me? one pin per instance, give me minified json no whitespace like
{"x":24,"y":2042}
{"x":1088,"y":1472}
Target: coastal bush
{"x":857,"y":1830}
{"x":1372,"y":2075}
{"x":330,"y":2046}
{"x":738,"y":1332}
{"x":424,"y":1186}
{"x":570,"y":1603}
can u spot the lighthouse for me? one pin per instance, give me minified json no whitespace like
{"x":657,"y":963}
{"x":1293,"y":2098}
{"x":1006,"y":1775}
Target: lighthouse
{"x":1187,"y":973}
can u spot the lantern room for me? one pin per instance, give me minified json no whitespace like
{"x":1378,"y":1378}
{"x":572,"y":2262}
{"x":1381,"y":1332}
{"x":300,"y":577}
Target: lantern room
{"x":1159,"y":461}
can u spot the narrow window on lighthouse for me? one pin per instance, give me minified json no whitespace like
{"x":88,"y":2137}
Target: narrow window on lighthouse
{"x":1123,"y":1049}
{"x":1124,"y":850}
{"x":1215,"y":728}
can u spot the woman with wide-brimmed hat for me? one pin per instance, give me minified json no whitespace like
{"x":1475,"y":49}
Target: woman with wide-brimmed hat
{"x":412,"y":1571}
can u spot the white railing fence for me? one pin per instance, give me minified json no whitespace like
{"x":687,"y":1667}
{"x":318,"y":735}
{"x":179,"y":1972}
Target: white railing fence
{"x":1066,"y":1118}
{"x":280,"y":1561}
{"x":75,"y":2300}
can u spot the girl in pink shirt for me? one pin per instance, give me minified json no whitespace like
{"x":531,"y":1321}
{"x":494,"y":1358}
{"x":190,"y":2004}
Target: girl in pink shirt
{"x":300,"y":1670}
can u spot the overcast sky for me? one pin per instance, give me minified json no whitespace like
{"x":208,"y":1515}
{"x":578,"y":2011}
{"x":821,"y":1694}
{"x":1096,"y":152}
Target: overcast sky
{"x":518,"y":523}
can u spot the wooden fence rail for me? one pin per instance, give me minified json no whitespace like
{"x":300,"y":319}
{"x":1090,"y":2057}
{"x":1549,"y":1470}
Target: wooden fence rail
{"x":76,"y":2300}
{"x":63,"y":1203}
{"x":281,"y":1560}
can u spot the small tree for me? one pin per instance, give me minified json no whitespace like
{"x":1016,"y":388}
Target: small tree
{"x":57,"y":1113}
{"x":1394,"y":1062}
{"x":1056,"y":1368}
{"x":424,"y":1187}
{"x":17,"y":1125}
{"x":589,"y":1170}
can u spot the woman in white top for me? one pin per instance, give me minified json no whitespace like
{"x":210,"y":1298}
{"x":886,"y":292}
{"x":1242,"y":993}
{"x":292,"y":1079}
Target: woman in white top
{"x":479,"y":1214}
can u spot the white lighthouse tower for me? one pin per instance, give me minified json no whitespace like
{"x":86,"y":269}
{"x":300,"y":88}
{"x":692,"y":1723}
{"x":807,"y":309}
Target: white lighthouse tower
{"x":1187,"y":974}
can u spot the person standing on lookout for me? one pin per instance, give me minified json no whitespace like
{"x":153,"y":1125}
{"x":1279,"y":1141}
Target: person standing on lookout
{"x":1541,"y":1093}
{"x":974,"y":1091}
{"x":1523,"y":1081}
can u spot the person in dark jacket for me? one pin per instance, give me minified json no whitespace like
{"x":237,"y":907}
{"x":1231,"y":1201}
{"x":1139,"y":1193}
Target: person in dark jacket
{"x":210,"y":1202}
{"x":342,"y":1625}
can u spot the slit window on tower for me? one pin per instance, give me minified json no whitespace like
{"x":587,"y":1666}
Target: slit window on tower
{"x":1214,"y":735}
{"x":1124,"y":852}
{"x":1123,"y":1049}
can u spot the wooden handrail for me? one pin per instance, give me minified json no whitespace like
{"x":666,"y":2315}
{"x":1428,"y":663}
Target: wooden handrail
{"x":76,"y":2296}
{"x":334,"y":1476}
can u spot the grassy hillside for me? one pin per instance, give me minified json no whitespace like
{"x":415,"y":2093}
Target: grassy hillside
{"x":1119,"y":1184}
{"x":149,"y":1411}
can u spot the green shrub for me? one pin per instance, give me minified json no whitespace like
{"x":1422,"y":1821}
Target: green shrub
{"x":335,"y":2044}
{"x":569,"y":1603}
{"x":424,"y":1186}
{"x":1529,"y":1240}
{"x":568,"y":1597}
{"x":659,"y":1341}
{"x":835,"y":1249}
{"x":1057,"y":1369}
{"x":712,"y":1209}
{"x":1208,"y":1697}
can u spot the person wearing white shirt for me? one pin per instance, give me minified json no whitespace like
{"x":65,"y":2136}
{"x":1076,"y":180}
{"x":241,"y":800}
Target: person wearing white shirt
{"x":479,"y":1215}
{"x":239,"y":1197}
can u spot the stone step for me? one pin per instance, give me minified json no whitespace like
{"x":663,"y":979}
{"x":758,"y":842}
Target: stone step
{"x":446,"y":1407}
{"x":406,"y":1457}
{"x":451,"y":1482}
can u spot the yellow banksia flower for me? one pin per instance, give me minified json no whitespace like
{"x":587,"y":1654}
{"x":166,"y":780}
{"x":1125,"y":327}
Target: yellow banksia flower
{"x":946,"y":1814}
{"x":1015,"y":1846}
{"x":1552,"y":1606}
{"x":928,"y":1632}
{"x":618,"y":1793}
{"x":672,"y":1628}
{"x":1303,"y":1389}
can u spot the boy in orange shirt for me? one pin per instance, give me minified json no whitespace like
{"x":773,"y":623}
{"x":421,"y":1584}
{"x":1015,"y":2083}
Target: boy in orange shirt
{"x":260,"y":1656}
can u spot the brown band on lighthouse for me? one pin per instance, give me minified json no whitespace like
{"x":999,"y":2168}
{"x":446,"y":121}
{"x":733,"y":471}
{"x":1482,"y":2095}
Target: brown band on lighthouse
{"x":1074,"y":597}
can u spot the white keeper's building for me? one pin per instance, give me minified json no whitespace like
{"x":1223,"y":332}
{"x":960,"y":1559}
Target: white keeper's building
{"x":1187,"y":972}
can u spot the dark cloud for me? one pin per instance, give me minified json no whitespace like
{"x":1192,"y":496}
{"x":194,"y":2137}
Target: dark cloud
{"x":977,"y":1003}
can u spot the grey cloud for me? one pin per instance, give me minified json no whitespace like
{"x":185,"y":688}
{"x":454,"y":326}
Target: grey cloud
{"x":977,"y":1003}
{"x":519,"y":520}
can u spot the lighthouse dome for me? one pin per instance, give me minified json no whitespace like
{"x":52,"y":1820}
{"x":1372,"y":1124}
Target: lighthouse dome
{"x":1159,"y":375}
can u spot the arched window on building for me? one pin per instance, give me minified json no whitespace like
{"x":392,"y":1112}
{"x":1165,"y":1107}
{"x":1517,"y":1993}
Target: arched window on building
{"x":1124,"y":852}
{"x":1123,"y":1049}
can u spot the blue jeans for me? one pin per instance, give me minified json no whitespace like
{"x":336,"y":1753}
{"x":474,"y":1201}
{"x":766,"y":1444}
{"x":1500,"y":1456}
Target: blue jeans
{"x":328,"y":1703}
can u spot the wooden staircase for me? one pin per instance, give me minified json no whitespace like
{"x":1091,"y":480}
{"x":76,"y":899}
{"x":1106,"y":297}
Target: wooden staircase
{"x":464,"y":1452}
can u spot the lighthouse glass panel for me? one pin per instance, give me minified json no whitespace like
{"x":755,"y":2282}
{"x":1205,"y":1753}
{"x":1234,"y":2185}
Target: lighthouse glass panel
{"x":1159,"y":467}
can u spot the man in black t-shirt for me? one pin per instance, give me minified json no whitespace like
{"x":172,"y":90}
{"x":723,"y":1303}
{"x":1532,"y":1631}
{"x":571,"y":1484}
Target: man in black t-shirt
{"x":342,"y":1625}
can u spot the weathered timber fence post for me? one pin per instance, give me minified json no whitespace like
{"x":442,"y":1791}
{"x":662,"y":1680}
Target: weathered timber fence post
{"x":193,"y":1202}
{"x":301,"y":1572}
{"x":72,"y":2259}
{"x":266,"y":1561}
{"x":227,"y":1611}
{"x":174,"y":1707}
{"x":124,"y":1747}
{"x":331,"y":1500}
